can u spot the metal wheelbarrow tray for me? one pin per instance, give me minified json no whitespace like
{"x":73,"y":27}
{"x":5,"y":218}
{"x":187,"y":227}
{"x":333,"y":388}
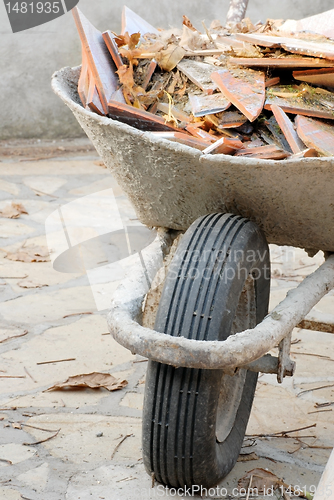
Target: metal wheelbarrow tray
{"x":195,"y":416}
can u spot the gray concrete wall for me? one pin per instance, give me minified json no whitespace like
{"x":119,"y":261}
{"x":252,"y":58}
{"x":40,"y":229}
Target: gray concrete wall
{"x":28,"y":59}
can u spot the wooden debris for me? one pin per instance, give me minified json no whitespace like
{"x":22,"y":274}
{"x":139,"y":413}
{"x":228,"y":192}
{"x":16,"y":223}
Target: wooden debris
{"x":109,"y":40}
{"x":231,"y":119}
{"x":322,"y":77}
{"x":178,"y":84}
{"x":180,"y":115}
{"x":264,"y":152}
{"x":291,"y":44}
{"x":183,"y":138}
{"x":132,"y":23}
{"x":83,"y":83}
{"x":93,"y":101}
{"x":281,"y":62}
{"x":270,"y":82}
{"x":150,"y":70}
{"x":306,"y":153}
{"x":199,"y":73}
{"x":99,"y":59}
{"x":224,"y":146}
{"x":296,"y":144}
{"x":137,"y":118}
{"x":316,"y":135}
{"x":201,"y":134}
{"x":244,"y":88}
{"x":208,"y":104}
{"x":301,"y":100}
{"x":320,"y":23}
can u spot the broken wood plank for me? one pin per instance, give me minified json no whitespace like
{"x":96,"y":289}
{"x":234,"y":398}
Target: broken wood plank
{"x":264,"y":152}
{"x":109,"y":40}
{"x":201,"y":134}
{"x":99,"y":60}
{"x":301,"y":100}
{"x":183,"y":138}
{"x":179,"y":115}
{"x":306,"y":153}
{"x":202,"y":105}
{"x":244,"y":88}
{"x":281,"y":62}
{"x":315,"y":48}
{"x":322,"y":77}
{"x":137,"y":118}
{"x":224,"y":146}
{"x":230,"y":41}
{"x":278,"y":136}
{"x":320,"y":23}
{"x":148,"y":75}
{"x":232,"y":119}
{"x":199,"y":73}
{"x":133,"y":23}
{"x":296,"y":144}
{"x":83,"y":83}
{"x":93,"y":101}
{"x":316,"y":135}
{"x":270,"y":82}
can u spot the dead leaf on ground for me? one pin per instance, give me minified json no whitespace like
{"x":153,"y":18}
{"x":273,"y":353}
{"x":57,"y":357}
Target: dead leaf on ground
{"x":31,"y":284}
{"x":170,"y":57}
{"x":247,"y":457}
{"x":16,"y":425}
{"x":13,"y":211}
{"x":262,"y":481}
{"x":93,"y":380}
{"x":30,"y":253}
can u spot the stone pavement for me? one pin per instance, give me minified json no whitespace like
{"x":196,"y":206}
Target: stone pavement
{"x":97,"y":451}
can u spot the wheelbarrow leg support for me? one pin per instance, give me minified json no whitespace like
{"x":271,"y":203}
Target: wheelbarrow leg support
{"x":237,"y":350}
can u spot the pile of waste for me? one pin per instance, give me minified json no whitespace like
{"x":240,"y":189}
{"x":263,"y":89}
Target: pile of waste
{"x":259,"y":91}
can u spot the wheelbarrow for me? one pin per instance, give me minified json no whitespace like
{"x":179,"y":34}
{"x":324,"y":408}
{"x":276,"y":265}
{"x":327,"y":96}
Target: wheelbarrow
{"x":216,"y":214}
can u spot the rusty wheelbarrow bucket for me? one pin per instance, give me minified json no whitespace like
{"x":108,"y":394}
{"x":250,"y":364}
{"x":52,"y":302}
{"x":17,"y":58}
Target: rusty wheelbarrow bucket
{"x":173,"y":187}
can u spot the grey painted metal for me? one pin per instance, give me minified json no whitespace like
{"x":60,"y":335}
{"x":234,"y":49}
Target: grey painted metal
{"x":171,"y":185}
{"x":237,"y":350}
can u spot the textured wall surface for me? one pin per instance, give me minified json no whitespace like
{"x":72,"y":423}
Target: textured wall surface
{"x":27,"y":59}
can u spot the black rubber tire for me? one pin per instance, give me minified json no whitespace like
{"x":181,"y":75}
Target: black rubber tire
{"x":184,"y":407}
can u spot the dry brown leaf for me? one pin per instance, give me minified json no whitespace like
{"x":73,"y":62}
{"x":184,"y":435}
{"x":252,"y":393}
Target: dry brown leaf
{"x":246,"y":457}
{"x":170,"y":57}
{"x":190,"y":40}
{"x":131,"y":55}
{"x":263,"y":480}
{"x":125,"y":74}
{"x":126,"y":39}
{"x":93,"y":380}
{"x":31,"y":284}
{"x":13,"y":211}
{"x":186,"y":22}
{"x":16,"y":426}
{"x":30,"y":253}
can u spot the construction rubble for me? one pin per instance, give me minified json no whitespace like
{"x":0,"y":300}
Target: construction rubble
{"x":259,"y":91}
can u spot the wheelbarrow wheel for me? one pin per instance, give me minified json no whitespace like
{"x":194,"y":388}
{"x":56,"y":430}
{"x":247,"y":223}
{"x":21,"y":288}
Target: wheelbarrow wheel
{"x":194,"y":420}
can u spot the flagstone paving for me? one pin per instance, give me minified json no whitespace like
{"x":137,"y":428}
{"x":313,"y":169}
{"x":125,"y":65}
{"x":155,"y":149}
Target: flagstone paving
{"x":94,"y":450}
